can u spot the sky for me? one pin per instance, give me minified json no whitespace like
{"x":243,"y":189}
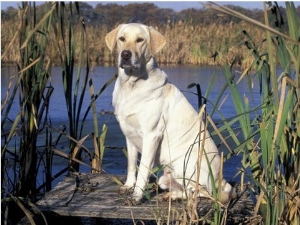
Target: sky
{"x":175,"y":5}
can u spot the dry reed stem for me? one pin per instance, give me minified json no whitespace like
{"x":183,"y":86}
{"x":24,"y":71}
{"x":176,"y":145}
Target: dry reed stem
{"x":186,"y":44}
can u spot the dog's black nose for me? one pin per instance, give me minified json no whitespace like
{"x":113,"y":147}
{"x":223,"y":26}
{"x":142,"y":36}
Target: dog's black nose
{"x":126,"y":54}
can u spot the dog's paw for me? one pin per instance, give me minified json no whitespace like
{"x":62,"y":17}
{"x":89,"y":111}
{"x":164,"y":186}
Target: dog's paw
{"x":137,"y":194}
{"x":130,"y":201}
{"x":127,"y":190}
{"x":131,"y":198}
{"x":173,"y":195}
{"x":131,"y":195}
{"x":167,"y":196}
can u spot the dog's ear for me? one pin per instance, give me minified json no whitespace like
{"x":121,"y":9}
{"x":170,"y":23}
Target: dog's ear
{"x":111,"y":38}
{"x":157,"y":40}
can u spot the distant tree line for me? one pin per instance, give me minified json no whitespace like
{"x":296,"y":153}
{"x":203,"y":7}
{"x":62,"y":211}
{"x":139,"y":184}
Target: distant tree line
{"x":150,"y":14}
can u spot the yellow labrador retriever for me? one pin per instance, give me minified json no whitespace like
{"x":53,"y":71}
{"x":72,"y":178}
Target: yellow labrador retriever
{"x":157,"y":120}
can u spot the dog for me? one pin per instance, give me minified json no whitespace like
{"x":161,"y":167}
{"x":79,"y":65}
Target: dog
{"x":158,"y":121}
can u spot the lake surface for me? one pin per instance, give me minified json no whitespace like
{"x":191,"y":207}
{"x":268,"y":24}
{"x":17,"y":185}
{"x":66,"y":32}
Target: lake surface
{"x":114,"y":159}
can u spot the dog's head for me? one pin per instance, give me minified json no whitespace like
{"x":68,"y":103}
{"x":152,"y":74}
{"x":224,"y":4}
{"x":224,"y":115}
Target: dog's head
{"x":136,"y":44}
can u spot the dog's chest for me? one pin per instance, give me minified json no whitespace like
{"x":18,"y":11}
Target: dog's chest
{"x":129,"y":98}
{"x":125,"y":103}
{"x":130,"y":116}
{"x":135,"y":107}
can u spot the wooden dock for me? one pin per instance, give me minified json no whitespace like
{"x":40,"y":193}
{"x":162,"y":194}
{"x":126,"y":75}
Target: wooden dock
{"x":96,"y":195}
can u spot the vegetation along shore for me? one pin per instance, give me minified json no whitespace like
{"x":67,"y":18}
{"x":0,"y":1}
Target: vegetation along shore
{"x":194,"y":36}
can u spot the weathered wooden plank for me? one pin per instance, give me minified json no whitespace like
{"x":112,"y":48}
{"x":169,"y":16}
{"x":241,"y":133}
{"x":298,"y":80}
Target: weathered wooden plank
{"x":96,"y":195}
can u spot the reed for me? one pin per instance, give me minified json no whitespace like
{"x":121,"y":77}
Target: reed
{"x":270,"y":130}
{"x":34,"y":96}
{"x":65,"y":35}
{"x":28,"y":144}
{"x":188,"y":42}
{"x":73,"y":41}
{"x":33,"y":91}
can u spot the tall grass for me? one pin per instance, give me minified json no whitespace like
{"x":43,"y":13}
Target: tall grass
{"x":188,"y":42}
{"x":270,"y":130}
{"x":28,"y":140}
{"x":33,"y":91}
{"x":67,"y":44}
{"x":34,"y":95}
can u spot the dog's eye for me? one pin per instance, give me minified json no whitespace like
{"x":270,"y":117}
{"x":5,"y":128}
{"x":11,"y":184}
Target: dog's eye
{"x":122,"y":39}
{"x":139,"y":40}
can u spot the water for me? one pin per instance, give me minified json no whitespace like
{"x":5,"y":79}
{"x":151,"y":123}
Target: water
{"x":114,"y":159}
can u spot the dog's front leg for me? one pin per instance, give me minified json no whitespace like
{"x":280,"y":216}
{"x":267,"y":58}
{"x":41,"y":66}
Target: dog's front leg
{"x":132,"y":152}
{"x":150,"y":145}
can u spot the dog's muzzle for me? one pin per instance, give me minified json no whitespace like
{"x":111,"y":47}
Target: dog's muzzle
{"x":126,"y":60}
{"x":126,"y":54}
